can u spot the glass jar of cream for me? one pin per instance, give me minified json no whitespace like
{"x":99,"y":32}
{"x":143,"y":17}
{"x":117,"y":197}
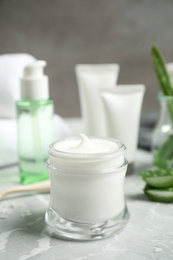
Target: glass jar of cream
{"x":87,"y":187}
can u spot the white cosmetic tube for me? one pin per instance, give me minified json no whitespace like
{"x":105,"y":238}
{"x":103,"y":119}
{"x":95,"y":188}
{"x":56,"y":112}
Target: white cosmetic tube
{"x":122,"y":114}
{"x":90,"y":79}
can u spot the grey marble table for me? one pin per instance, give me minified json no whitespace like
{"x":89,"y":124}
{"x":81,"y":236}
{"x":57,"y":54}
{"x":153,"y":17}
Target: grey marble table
{"x":24,"y":235}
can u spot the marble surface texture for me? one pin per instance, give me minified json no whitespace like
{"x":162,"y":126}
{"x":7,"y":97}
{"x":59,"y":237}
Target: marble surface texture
{"x":24,"y":235}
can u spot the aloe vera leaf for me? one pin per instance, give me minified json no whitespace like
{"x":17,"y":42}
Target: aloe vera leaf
{"x":158,"y":178}
{"x":160,"y":195}
{"x":163,"y":157}
{"x":170,"y":109}
{"x":162,"y":73}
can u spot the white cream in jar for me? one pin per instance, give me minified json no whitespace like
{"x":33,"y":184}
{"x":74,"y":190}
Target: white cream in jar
{"x":87,"y":180}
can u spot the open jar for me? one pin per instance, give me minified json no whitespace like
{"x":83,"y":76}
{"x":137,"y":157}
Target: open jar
{"x":87,"y":188}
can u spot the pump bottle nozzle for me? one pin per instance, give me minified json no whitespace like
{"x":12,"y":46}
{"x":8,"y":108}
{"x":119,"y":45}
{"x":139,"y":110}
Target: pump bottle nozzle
{"x":35,"y":69}
{"x":34,"y":84}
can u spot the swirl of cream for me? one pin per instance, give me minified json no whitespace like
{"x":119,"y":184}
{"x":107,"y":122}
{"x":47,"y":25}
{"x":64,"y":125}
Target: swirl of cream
{"x":91,"y":146}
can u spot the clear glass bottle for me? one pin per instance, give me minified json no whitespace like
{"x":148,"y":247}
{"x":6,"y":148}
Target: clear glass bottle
{"x":162,"y":139}
{"x":35,"y":124}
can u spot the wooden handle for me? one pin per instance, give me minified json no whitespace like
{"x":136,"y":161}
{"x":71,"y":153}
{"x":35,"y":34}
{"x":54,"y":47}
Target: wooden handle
{"x":39,"y":186}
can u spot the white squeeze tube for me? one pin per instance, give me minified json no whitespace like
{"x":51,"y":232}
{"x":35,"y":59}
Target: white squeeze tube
{"x":90,"y":79}
{"x":122,"y":112}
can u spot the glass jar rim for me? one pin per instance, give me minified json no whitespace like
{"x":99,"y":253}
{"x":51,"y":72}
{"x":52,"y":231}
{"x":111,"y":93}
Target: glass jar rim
{"x":60,"y":170}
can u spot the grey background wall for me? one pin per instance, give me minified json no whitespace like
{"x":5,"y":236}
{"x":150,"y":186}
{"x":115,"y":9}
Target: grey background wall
{"x":67,"y":32}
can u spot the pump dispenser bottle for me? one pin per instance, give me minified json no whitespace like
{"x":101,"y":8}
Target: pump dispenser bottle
{"x":35,"y":124}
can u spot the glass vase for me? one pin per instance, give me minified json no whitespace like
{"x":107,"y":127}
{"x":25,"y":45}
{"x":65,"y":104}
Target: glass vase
{"x":162,"y":139}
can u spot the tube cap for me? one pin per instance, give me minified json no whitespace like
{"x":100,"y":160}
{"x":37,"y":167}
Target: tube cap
{"x":34,"y":84}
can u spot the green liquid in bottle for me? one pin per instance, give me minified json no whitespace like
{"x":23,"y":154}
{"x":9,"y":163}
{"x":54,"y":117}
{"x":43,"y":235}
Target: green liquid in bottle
{"x":35,"y":133}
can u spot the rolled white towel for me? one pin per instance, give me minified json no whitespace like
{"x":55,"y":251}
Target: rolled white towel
{"x":62,"y":129}
{"x":11,"y":70}
{"x":8,"y":137}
